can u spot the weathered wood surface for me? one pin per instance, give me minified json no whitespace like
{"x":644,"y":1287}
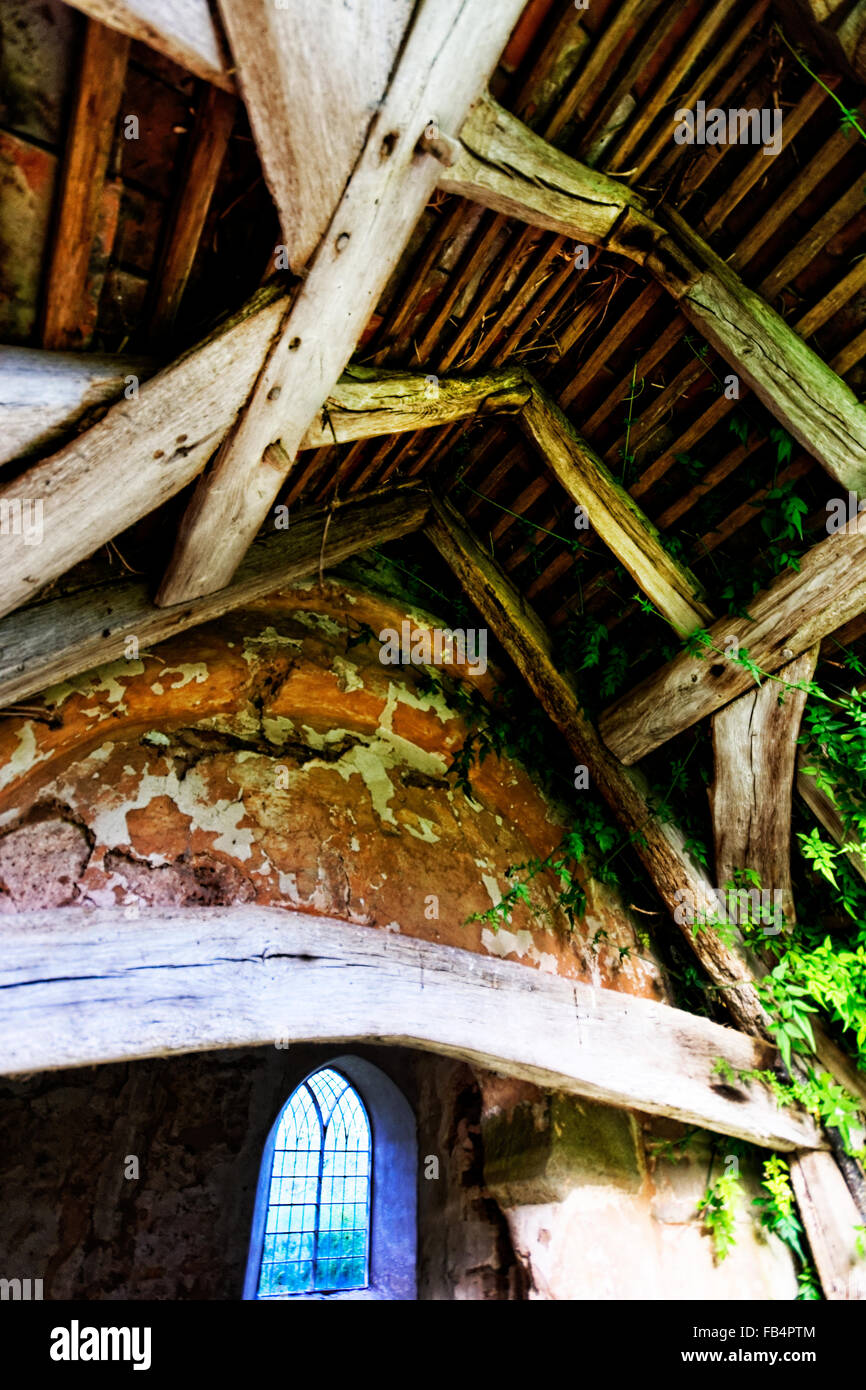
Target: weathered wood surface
{"x":614,"y":516}
{"x":43,"y":394}
{"x":312,"y":78}
{"x":101,"y":77}
{"x":142,"y":452}
{"x":208,"y":142}
{"x":368,"y":401}
{"x":830,"y":1214}
{"x":851,"y":36}
{"x":62,"y":637}
{"x":79,"y":987}
{"x":755,"y":751}
{"x":182,"y":30}
{"x":754,"y":748}
{"x":789,"y":617}
{"x":505,"y":165}
{"x":797,"y":387}
{"x":450,"y":51}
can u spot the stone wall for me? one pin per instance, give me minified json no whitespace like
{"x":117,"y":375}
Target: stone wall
{"x":522,"y":1193}
{"x":197,"y":1125}
{"x":602,"y":1203}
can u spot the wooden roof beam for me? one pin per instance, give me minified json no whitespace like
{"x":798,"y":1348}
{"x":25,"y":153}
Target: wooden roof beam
{"x":183,"y":979}
{"x":365,"y":402}
{"x":659,"y":844}
{"x":44,"y":394}
{"x":370,"y":401}
{"x":182,"y":30}
{"x":144,"y":450}
{"x":66,"y":320}
{"x":795,"y":385}
{"x":209,"y":140}
{"x":451,"y":48}
{"x":504,"y":165}
{"x":61,"y":637}
{"x":160,"y":433}
{"x":312,"y":78}
{"x":754,"y":750}
{"x":614,"y":515}
{"x":798,"y":609}
{"x":825,"y":810}
{"x":500,"y":162}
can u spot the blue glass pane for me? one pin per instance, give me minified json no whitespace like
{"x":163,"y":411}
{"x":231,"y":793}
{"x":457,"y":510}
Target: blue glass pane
{"x":317,"y":1227}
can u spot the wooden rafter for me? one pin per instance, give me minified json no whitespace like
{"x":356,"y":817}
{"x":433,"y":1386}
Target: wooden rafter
{"x":101,"y":76}
{"x":62,"y":637}
{"x":754,"y":751}
{"x":506,"y":166}
{"x":621,"y":220}
{"x":311,"y":81}
{"x":825,"y":810}
{"x":614,"y":516}
{"x":367,"y":402}
{"x":208,"y":141}
{"x":145,"y":450}
{"x":804,"y":394}
{"x":659,"y":844}
{"x":44,"y":394}
{"x":831,"y":1218}
{"x":184,"y":979}
{"x":798,"y":609}
{"x":451,"y":48}
{"x":182,"y":30}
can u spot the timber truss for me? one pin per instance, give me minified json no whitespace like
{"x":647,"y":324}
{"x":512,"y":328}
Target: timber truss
{"x":277,"y":379}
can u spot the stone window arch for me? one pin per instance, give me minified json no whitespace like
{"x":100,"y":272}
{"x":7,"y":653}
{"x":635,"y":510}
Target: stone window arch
{"x":336,"y":1202}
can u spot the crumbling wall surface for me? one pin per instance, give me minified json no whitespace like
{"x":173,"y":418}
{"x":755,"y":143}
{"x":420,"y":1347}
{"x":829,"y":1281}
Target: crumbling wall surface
{"x":466,"y":1251}
{"x":80,"y":1215}
{"x":272,"y":758}
{"x":602,"y":1204}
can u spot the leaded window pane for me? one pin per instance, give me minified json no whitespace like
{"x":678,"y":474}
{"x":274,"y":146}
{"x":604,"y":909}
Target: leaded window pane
{"x":317,"y":1230}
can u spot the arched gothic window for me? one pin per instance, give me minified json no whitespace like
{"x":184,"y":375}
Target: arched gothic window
{"x":318,"y":1223}
{"x":336,"y":1201}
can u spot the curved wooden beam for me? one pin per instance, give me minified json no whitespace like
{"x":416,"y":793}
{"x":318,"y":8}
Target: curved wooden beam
{"x":80,"y":987}
{"x":658,"y":841}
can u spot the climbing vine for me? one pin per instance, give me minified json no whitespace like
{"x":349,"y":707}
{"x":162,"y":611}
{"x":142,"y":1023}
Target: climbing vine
{"x":778,"y":1214}
{"x":776,"y":1207}
{"x":814,"y":970}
